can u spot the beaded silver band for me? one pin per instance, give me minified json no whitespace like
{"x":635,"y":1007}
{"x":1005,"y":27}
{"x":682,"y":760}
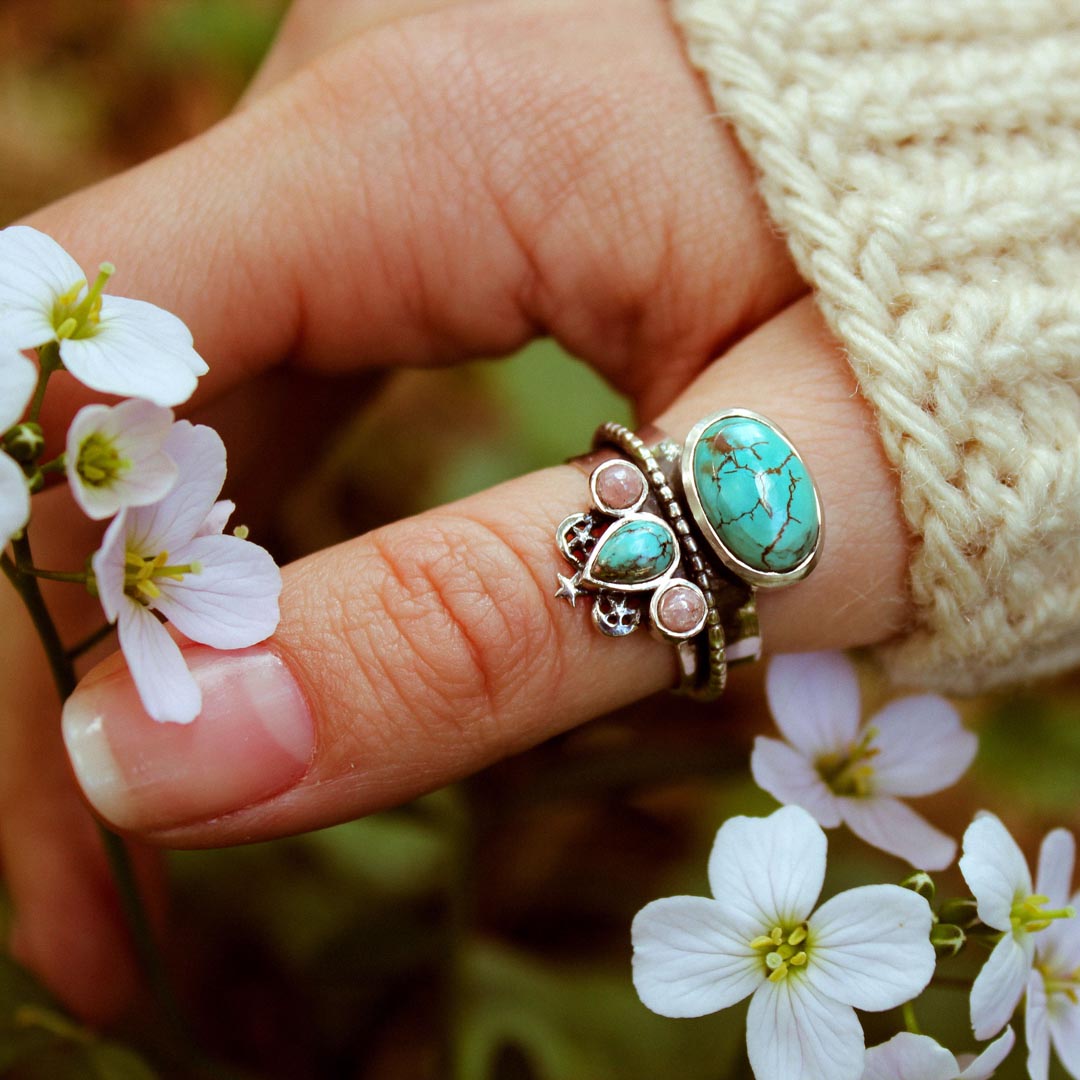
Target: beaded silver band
{"x":703,"y":681}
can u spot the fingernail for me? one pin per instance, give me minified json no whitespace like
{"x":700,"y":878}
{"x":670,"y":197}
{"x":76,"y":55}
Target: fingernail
{"x":253,"y":739}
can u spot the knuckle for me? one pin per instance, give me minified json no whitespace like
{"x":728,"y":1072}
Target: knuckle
{"x":469,"y":629}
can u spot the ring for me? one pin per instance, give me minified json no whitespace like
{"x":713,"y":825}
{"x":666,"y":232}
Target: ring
{"x":640,"y":555}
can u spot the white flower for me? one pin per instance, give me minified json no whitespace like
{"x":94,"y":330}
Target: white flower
{"x":109,"y":343}
{"x":172,"y":558}
{"x":868,"y":948}
{"x":17,"y":378}
{"x":918,"y":1057}
{"x":1052,"y":1013}
{"x":841,"y":772}
{"x":997,"y":875}
{"x":115,"y":458}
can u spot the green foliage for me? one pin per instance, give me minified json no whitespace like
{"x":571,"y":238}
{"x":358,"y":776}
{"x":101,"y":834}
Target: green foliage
{"x":545,"y":406}
{"x":38,"y":1041}
{"x":525,"y":1020}
{"x":232,"y":34}
{"x":1028,"y":752}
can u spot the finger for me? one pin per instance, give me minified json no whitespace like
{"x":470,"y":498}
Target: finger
{"x":452,"y":185}
{"x":310,"y":28}
{"x":421,"y":652}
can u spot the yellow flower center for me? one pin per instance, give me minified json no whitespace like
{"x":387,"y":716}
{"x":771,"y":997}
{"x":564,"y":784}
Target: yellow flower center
{"x":142,"y":572}
{"x":783,"y":951}
{"x":850,"y":773}
{"x":99,"y":462}
{"x":75,"y":318}
{"x":1030,"y":916}
{"x":1057,"y":982}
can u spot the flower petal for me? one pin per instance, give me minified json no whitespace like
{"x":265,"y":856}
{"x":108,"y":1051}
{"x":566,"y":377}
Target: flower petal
{"x":986,"y":1064}
{"x":108,"y":566}
{"x":1037,"y":1028}
{"x":199,"y":454}
{"x":18,"y":376}
{"x":138,"y":350}
{"x":167,"y":689}
{"x":687,"y":959}
{"x":909,"y":1057}
{"x":999,"y":984}
{"x":232,"y":602}
{"x":770,"y":869}
{"x":789,"y":777}
{"x":870,"y":947}
{"x":217,"y":519}
{"x":894,"y":827}
{"x":995,"y":870}
{"x":1058,"y":946}
{"x":1057,"y":857}
{"x":1064,"y":1023}
{"x":138,"y":430}
{"x":792,"y":1030}
{"x":921,"y":746}
{"x":34,"y":272}
{"x":14,"y":499}
{"x":814,"y":698}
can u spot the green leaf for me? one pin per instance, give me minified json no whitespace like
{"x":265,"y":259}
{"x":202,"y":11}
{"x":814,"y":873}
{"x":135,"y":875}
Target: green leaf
{"x":39,"y":1041}
{"x":110,"y":1061}
{"x":526,"y":1020}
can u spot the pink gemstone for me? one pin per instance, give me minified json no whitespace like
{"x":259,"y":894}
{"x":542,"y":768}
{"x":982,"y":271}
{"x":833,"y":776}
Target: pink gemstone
{"x":619,"y":485}
{"x":681,"y":609}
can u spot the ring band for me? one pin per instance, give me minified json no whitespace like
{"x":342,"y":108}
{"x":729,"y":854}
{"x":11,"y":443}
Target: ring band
{"x":752,"y":519}
{"x":709,"y":684}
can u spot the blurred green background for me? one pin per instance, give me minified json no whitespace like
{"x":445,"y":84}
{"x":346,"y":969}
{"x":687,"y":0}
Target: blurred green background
{"x":482,"y":932}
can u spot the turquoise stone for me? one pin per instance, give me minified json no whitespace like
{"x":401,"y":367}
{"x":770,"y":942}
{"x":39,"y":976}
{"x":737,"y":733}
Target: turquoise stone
{"x":756,"y":493}
{"x":634,"y":552}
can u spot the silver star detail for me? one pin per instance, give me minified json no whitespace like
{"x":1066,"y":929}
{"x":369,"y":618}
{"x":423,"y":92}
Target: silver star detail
{"x":568,"y":589}
{"x":582,"y":533}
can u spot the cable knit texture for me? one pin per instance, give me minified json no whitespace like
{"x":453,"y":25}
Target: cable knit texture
{"x":923,"y":159}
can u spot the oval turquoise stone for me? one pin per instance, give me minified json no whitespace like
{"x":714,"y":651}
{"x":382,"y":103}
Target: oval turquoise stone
{"x":634,"y":552}
{"x":756,"y":493}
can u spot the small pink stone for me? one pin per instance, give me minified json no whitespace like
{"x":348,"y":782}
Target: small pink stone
{"x":619,"y":485}
{"x":681,"y":609}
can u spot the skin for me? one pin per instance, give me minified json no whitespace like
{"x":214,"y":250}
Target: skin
{"x":445,"y":179}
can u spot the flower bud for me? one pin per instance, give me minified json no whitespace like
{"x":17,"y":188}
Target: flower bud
{"x":960,"y":911}
{"x":922,"y":883}
{"x":948,"y":939}
{"x":25,"y":442}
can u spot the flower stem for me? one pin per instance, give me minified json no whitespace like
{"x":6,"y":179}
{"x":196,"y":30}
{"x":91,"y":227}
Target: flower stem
{"x":82,"y":647}
{"x":74,"y":577}
{"x":26,"y":586}
{"x":911,"y":1022}
{"x":48,"y":361}
{"x":58,"y":464}
{"x":61,"y":664}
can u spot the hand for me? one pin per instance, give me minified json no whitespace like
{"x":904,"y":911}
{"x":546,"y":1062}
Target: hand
{"x":416,"y":183}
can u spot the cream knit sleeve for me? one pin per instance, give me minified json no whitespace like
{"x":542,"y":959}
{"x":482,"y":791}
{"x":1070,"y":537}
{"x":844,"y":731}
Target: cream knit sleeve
{"x":922,"y":158}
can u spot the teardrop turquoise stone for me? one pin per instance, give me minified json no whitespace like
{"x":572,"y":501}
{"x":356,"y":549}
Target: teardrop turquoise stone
{"x":634,"y":552}
{"x":756,"y":493}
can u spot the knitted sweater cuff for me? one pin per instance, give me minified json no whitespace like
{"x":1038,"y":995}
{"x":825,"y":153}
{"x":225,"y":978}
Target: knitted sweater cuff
{"x":923,"y":160}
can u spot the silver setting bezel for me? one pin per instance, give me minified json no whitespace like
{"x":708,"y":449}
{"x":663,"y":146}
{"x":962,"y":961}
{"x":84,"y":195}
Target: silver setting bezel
{"x":643,"y":586}
{"x":610,"y":510}
{"x":654,"y":611}
{"x":766,"y":579}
